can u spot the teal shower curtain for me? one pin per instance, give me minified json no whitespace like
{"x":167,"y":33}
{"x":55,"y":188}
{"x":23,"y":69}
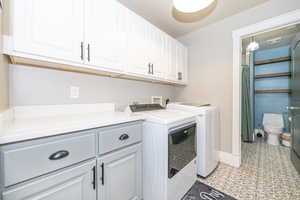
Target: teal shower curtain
{"x":247,"y":132}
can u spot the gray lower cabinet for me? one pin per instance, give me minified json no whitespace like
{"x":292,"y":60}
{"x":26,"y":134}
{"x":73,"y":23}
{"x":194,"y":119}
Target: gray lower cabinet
{"x":120,"y":175}
{"x":76,"y":183}
{"x":97,"y":164}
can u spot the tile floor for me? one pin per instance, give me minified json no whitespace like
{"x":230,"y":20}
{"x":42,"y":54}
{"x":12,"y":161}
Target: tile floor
{"x":266,"y":174}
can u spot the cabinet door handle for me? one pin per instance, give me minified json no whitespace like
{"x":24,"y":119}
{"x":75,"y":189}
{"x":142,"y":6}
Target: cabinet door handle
{"x":152,"y":68}
{"x":81,"y":49}
{"x":89,"y":54}
{"x":102,"y":169}
{"x":149,"y":68}
{"x":59,"y":155}
{"x":94,"y":178}
{"x":124,"y":137}
{"x":180,"y":76}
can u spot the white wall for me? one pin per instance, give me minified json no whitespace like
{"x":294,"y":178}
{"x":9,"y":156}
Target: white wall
{"x":210,"y":61}
{"x":210,"y":72}
{"x":39,"y":86}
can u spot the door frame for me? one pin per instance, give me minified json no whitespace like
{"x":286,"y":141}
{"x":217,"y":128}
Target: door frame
{"x":271,"y":24}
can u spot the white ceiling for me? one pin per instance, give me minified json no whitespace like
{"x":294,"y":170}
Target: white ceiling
{"x":162,"y":14}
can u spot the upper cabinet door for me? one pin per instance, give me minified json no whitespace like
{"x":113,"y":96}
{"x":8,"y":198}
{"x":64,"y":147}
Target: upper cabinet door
{"x":177,"y":62}
{"x":171,"y":72}
{"x":182,"y":63}
{"x":53,"y":29}
{"x":105,"y":34}
{"x":157,"y":54}
{"x":138,"y":49}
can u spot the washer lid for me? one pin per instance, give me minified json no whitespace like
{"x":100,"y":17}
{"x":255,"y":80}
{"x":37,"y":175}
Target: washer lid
{"x":202,"y":109}
{"x":195,"y":104}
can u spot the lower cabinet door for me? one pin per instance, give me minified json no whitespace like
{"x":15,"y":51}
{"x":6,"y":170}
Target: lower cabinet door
{"x":77,"y":183}
{"x":120,"y":175}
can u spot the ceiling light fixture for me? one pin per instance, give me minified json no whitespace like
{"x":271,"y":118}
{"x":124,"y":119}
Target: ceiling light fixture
{"x":274,"y":40}
{"x":253,"y":46}
{"x":190,"y":6}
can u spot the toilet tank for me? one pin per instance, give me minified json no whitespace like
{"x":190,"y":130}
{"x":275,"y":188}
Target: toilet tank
{"x":273,"y":120}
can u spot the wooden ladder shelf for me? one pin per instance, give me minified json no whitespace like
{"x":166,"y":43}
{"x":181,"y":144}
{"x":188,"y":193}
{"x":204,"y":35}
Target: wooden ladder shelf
{"x":275,"y":60}
{"x":273,"y":91}
{"x":273,"y":75}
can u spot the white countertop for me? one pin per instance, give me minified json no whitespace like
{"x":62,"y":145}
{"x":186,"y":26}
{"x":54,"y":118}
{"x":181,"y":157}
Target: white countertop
{"x":25,"y":129}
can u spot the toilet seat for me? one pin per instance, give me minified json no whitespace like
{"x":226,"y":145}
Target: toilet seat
{"x":273,"y":130}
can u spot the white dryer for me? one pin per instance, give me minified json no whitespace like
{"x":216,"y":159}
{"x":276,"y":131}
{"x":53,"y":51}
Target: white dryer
{"x":208,"y":133}
{"x":169,"y":151}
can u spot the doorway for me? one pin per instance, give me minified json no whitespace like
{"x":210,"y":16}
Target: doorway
{"x":272,"y":24}
{"x":266,"y":86}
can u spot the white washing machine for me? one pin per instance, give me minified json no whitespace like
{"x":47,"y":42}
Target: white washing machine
{"x":208,"y":133}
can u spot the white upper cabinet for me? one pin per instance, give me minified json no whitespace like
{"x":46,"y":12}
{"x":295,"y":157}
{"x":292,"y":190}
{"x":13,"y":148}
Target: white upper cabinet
{"x":98,"y":36}
{"x":157,"y":52}
{"x":171,"y":72}
{"x":105,"y":34}
{"x":177,"y":62}
{"x":146,"y":48}
{"x":138,"y":49}
{"x":53,"y":29}
{"x":181,"y":62}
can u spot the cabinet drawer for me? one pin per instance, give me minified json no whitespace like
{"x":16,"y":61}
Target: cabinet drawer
{"x":119,"y":137}
{"x":27,"y":162}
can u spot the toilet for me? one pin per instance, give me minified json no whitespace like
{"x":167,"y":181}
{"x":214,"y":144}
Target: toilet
{"x":273,"y":127}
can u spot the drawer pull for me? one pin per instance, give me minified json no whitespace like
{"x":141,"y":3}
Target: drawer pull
{"x":59,"y":155}
{"x":123,"y":137}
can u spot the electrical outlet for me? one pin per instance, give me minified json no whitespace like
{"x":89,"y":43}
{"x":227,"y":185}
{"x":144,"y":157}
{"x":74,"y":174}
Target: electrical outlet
{"x":74,"y":92}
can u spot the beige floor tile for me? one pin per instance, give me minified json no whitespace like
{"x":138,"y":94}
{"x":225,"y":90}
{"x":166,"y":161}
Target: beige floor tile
{"x":266,"y":173}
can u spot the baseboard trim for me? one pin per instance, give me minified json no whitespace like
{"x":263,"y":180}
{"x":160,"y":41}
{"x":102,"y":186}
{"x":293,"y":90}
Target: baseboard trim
{"x":229,"y":159}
